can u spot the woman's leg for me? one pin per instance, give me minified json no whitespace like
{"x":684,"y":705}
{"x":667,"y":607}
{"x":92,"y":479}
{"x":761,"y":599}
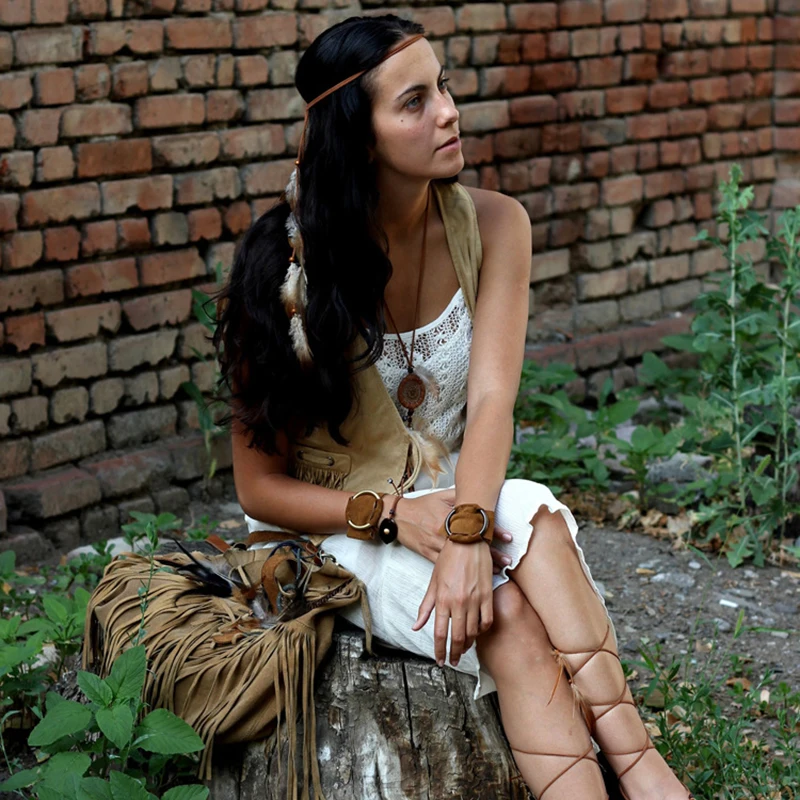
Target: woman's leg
{"x":517,"y":653}
{"x":553,"y":581}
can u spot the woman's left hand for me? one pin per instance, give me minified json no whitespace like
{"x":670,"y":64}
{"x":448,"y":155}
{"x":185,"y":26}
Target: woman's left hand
{"x":460,"y":590}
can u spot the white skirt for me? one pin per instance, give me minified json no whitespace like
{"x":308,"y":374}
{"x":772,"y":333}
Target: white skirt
{"x":397,"y":578}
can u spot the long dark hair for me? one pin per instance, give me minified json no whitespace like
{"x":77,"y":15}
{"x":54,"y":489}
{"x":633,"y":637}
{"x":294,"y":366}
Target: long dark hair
{"x":347,"y":268}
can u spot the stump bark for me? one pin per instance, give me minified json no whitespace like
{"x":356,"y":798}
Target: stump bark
{"x":389,"y":727}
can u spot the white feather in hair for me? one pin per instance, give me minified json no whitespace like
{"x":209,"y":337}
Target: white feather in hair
{"x":297,"y":332}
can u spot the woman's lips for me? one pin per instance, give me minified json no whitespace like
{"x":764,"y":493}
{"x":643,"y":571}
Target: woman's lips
{"x":454,"y":145}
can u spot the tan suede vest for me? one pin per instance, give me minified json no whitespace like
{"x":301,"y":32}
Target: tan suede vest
{"x":380,"y":446}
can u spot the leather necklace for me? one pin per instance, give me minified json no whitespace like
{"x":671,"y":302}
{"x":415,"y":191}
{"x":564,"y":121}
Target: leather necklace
{"x":411,"y":391}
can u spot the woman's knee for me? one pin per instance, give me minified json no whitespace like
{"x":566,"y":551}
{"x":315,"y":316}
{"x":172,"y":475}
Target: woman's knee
{"x":516,"y":621}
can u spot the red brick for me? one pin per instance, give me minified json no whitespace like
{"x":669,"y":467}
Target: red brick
{"x":504,"y":80}
{"x":709,"y":90}
{"x":760,"y":57}
{"x":534,"y":47}
{"x":579,"y":13}
{"x":268,"y":104}
{"x":135,"y":36}
{"x":61,"y":244}
{"x":630,"y":38}
{"x":54,"y":164}
{"x":89,"y":9}
{"x":27,"y":289}
{"x":106,"y":277}
{"x":224,"y":105}
{"x":129,"y":80}
{"x":146,"y":194}
{"x":688,"y":122}
{"x":9,"y":207}
{"x":270,"y":29}
{"x":600,"y":71}
{"x":15,"y":12}
{"x":7,"y":131}
{"x":251,"y":70}
{"x":683,"y":151}
{"x":40,"y":127}
{"x":92,"y":82}
{"x":668,"y":9}
{"x":50,"y":12}
{"x":573,"y":105}
{"x":16,"y":169}
{"x":25,"y":331}
{"x":15,"y":459}
{"x":787,"y":139}
{"x":99,"y":237}
{"x":204,"y":223}
{"x":199,"y":71}
{"x":626,"y":99}
{"x":726,"y":116}
{"x":648,"y":156}
{"x":555,"y":76}
{"x":114,"y":158}
{"x":252,"y":142}
{"x":577,"y":197}
{"x":6,"y":53}
{"x":167,"y":267}
{"x":221,"y":183}
{"x":533,"y":16}
{"x":169,"y":111}
{"x":83,"y":322}
{"x":55,"y":493}
{"x":134,"y":233}
{"x":641,"y":67}
{"x":533,"y":110}
{"x":625,"y":10}
{"x":481,"y":17}
{"x":155,"y":310}
{"x":198,"y":33}
{"x":647,"y":126}
{"x":22,"y":249}
{"x":668,"y":95}
{"x":185,"y":150}
{"x":660,"y":184}
{"x":15,"y":91}
{"x":237,"y":218}
{"x":59,"y":205}
{"x":97,"y":119}
{"x":728,"y":59}
{"x":621,"y":191}
{"x":48,"y":45}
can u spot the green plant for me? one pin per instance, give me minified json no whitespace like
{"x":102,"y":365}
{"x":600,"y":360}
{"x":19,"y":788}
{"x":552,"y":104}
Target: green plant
{"x":201,"y":532}
{"x":747,"y":335}
{"x":708,"y":716}
{"x":147,"y":527}
{"x":99,"y":750}
{"x":207,"y":411}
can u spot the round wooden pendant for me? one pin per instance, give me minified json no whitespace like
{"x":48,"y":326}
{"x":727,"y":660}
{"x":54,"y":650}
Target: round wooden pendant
{"x":411,"y":391}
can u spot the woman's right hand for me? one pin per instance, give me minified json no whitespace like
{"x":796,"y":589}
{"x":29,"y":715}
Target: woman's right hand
{"x":419,"y":520}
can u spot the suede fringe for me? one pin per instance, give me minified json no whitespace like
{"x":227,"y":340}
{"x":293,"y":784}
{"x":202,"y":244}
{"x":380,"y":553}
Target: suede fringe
{"x":209,"y":662}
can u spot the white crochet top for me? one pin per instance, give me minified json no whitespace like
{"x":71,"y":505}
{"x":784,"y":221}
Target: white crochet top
{"x":442,"y":347}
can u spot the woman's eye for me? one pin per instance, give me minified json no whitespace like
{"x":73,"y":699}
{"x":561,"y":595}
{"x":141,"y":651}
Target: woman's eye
{"x":416,"y":97}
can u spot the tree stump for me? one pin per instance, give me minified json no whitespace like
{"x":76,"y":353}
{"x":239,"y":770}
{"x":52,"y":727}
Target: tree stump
{"x":389,"y":727}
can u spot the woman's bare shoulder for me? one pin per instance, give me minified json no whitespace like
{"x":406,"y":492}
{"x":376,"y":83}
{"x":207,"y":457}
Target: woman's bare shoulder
{"x":494,"y":211}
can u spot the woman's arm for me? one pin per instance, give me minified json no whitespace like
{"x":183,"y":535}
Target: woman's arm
{"x":498,"y":347}
{"x":268,"y":494}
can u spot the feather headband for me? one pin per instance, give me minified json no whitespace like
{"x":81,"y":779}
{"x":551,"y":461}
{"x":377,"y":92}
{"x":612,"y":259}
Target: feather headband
{"x":294,"y":293}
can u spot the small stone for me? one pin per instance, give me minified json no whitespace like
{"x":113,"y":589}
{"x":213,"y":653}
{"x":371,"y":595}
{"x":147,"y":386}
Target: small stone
{"x":674,"y":579}
{"x":694,"y":565}
{"x":722,"y":625}
{"x":785,"y":608}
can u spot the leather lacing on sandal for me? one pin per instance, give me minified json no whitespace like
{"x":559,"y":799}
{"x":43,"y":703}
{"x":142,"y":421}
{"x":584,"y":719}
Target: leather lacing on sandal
{"x":589,"y":715}
{"x":586,"y":706}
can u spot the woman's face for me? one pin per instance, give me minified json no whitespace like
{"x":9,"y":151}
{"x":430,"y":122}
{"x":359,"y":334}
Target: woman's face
{"x":413,"y":115}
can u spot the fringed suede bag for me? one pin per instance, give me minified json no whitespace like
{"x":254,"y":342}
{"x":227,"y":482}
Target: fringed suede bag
{"x":233,"y":640}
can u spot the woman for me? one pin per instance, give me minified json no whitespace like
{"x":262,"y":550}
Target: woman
{"x":369,"y":267}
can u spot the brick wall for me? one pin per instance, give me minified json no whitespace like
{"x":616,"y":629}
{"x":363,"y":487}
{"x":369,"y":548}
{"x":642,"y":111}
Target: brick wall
{"x":139,"y":139}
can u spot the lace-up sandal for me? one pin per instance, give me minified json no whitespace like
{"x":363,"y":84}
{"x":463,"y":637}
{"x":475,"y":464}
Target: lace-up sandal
{"x":587,"y":706}
{"x":588,"y":755}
